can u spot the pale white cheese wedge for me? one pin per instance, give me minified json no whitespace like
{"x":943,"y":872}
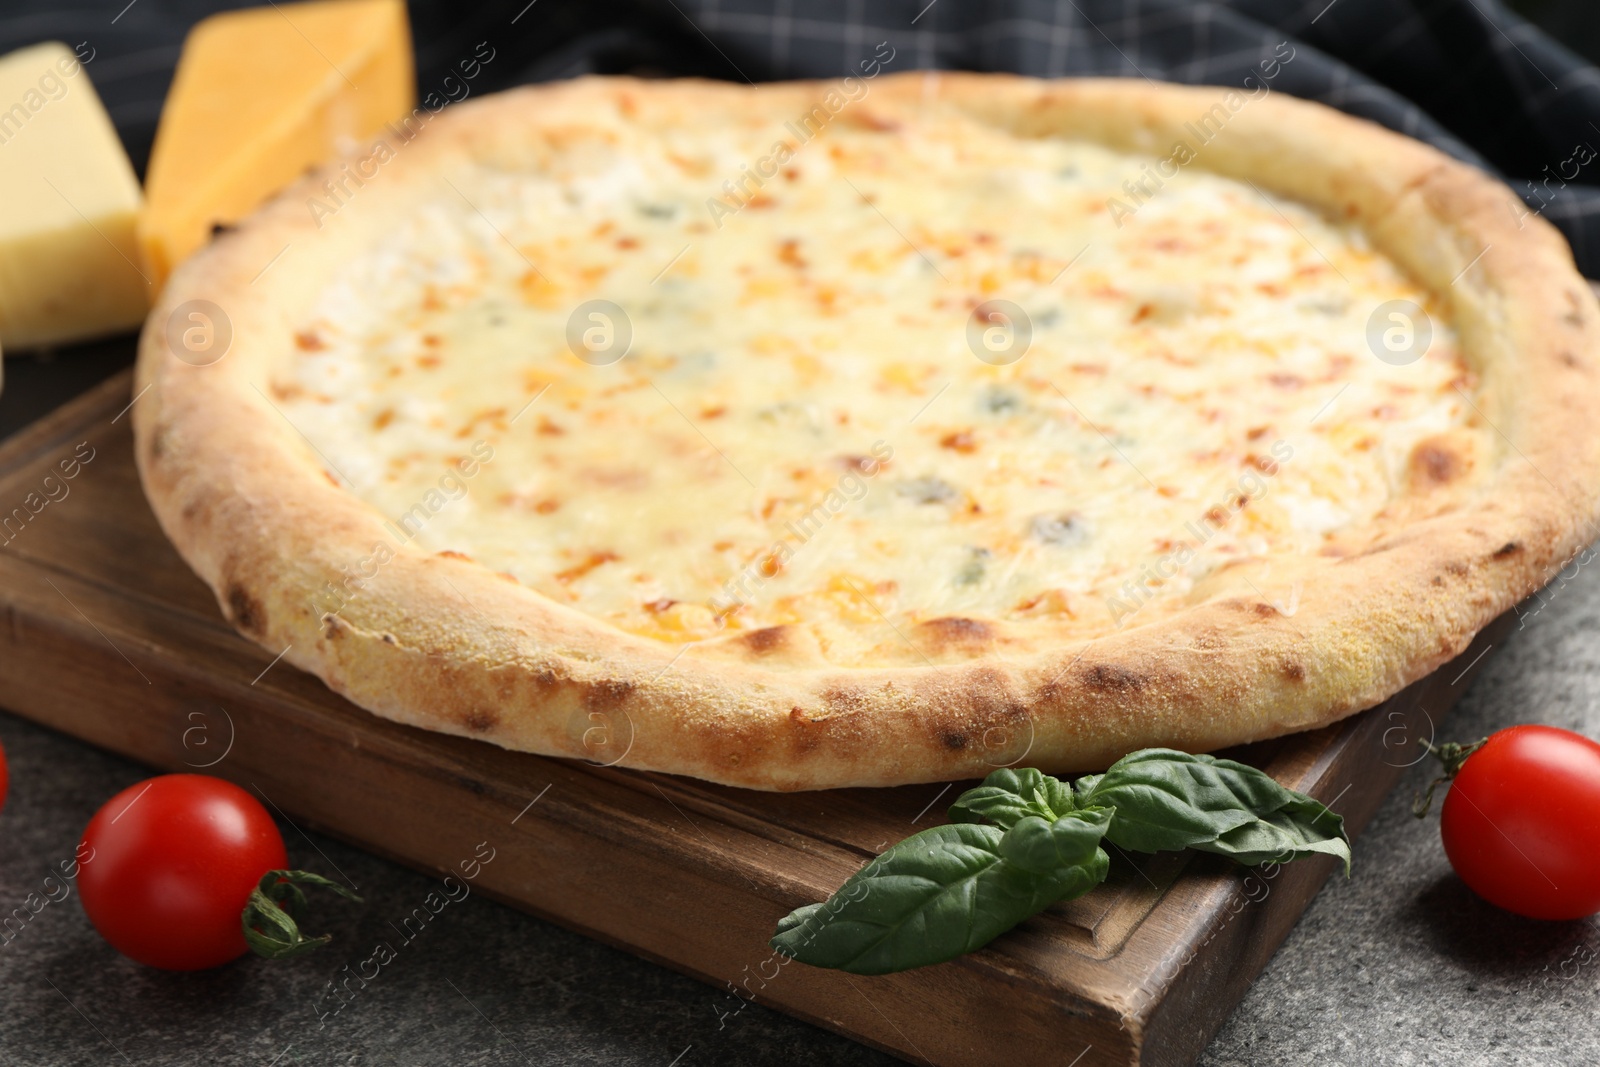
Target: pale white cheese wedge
{"x":68,"y":203}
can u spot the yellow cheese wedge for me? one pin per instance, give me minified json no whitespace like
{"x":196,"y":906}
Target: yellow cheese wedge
{"x":259,"y":96}
{"x":68,"y":203}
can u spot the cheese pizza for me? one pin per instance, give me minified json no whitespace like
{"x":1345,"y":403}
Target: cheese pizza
{"x":813,"y":435}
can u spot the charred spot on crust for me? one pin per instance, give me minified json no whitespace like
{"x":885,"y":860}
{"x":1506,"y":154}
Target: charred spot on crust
{"x":953,"y":630}
{"x":451,"y":553}
{"x":1109,"y":678}
{"x":332,"y":626}
{"x":1411,"y":183}
{"x":986,"y":712}
{"x":1263,"y":608}
{"x":1574,"y":314}
{"x":198,"y":508}
{"x":1294,"y":671}
{"x":606,"y":694}
{"x":1510,"y":548}
{"x":245,"y":610}
{"x":480,"y":720}
{"x":767,"y":639}
{"x":158,"y":442}
{"x":1457,"y":568}
{"x":218,"y":229}
{"x":1435,"y":462}
{"x":1570,"y":360}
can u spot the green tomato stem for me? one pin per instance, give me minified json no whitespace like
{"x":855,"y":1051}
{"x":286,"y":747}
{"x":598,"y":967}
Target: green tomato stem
{"x":271,"y":917}
{"x":1451,"y":756}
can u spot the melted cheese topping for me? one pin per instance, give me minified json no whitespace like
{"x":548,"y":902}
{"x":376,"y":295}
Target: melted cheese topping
{"x":802,"y":431}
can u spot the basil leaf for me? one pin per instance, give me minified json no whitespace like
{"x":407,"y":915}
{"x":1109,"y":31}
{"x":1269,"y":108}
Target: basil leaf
{"x":1059,"y":850}
{"x":947,"y":891}
{"x":1008,"y":796}
{"x":1302,"y":828}
{"x":1168,"y":800}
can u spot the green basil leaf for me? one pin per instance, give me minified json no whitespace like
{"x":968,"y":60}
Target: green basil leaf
{"x":1168,"y":800}
{"x":1057,"y":850}
{"x":1009,"y":795}
{"x":947,"y":891}
{"x":1304,"y":827}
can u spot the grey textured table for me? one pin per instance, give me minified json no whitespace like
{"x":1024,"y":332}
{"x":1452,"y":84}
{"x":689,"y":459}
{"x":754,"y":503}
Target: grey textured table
{"x":1399,"y":965}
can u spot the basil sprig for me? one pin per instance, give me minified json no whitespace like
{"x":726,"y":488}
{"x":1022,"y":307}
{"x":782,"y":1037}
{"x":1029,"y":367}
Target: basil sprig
{"x":1166,"y":800}
{"x":1024,"y":840}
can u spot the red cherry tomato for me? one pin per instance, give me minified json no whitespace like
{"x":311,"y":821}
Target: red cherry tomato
{"x":1521,"y":823}
{"x":172,"y":864}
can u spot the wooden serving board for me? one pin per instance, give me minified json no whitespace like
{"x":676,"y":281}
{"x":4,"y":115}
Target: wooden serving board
{"x":106,"y":635}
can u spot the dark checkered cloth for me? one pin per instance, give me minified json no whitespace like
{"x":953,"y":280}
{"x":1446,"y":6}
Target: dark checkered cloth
{"x":1465,"y":75}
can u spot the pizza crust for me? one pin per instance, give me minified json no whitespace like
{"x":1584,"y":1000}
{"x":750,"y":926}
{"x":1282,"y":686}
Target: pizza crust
{"x":443,"y":643}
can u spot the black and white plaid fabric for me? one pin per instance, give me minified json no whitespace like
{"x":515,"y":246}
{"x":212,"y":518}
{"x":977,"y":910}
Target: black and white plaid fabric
{"x":1467,"y":76}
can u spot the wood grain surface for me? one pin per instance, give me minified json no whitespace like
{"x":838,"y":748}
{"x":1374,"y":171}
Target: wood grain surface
{"x":107,"y":636}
